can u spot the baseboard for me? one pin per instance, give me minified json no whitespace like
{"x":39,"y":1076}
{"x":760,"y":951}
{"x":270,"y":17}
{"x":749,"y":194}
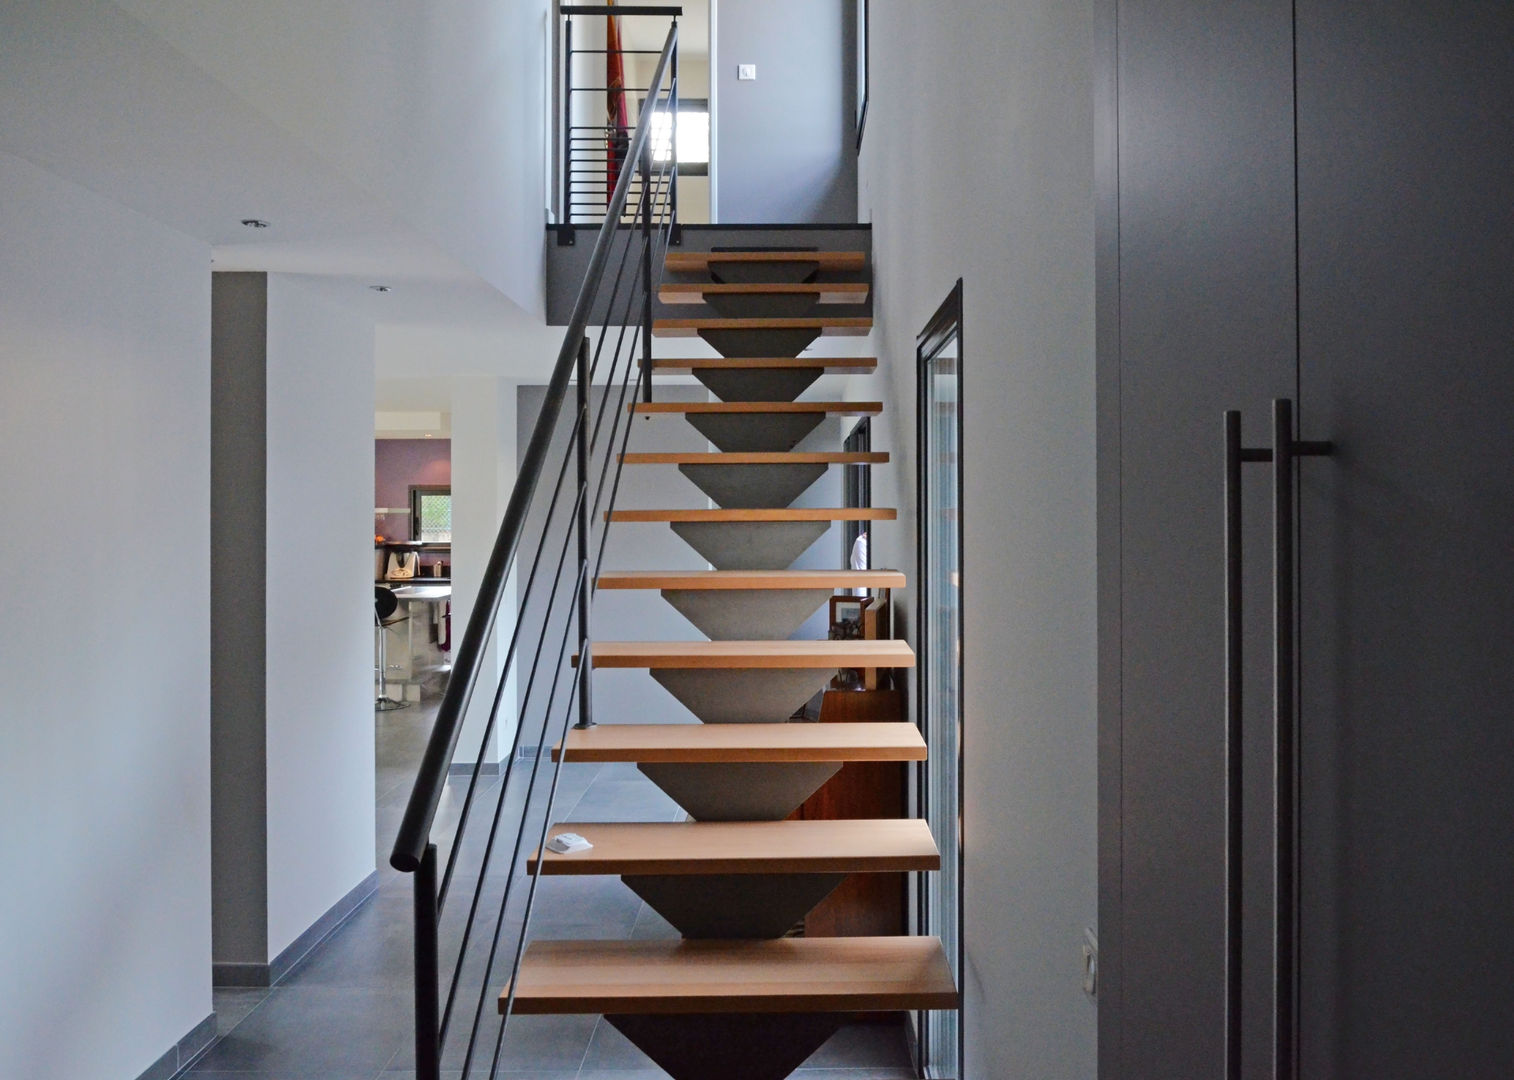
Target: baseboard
{"x":269,"y":974}
{"x":182,"y":1054}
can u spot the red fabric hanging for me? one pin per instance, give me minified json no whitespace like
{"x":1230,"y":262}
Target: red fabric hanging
{"x":615,"y":105}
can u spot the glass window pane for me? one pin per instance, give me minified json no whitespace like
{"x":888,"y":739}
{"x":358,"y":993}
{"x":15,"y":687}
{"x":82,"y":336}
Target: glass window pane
{"x":941,"y":689}
{"x":436,"y":518}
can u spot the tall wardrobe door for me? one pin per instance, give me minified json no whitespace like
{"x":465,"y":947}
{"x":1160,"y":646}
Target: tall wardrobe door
{"x":1206,"y":302}
{"x":1406,"y":231}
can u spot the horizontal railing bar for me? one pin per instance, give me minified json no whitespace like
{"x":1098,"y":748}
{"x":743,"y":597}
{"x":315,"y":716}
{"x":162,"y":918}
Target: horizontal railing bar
{"x":583,"y":582}
{"x":612,"y":52}
{"x":525,"y":700}
{"x":528,"y":592}
{"x":604,"y":9}
{"x":420,"y":812}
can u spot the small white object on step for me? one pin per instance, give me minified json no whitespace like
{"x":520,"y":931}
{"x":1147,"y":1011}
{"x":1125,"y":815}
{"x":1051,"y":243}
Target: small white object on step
{"x":567,"y":843}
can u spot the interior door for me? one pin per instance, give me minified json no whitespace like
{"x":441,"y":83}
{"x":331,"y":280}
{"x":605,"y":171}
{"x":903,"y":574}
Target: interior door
{"x":1406,"y":236}
{"x":1205,"y":300}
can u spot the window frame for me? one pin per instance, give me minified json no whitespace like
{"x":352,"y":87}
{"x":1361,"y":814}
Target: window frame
{"x":417,"y":492}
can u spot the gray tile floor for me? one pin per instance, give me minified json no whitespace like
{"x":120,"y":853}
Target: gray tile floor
{"x":344,"y":1012}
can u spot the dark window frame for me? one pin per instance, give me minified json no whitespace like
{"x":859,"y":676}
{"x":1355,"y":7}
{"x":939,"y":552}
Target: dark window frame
{"x":416,"y":492}
{"x":945,"y":324}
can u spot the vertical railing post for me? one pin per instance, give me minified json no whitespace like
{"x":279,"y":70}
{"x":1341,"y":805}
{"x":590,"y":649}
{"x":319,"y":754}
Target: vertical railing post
{"x":646,"y":277}
{"x":675,"y":234}
{"x":565,"y":231}
{"x":428,"y":1049}
{"x":585,"y":660}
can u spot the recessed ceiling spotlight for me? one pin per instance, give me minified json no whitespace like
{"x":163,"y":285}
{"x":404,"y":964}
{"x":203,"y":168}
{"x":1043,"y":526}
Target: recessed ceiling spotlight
{"x":428,"y":434}
{"x":254,"y":223}
{"x":379,"y":288}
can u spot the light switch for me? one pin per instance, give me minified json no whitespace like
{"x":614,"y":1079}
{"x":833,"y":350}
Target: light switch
{"x":746,"y":72}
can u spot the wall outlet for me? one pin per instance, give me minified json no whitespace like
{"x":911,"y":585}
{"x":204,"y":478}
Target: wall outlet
{"x":746,"y":72}
{"x":1090,"y":963}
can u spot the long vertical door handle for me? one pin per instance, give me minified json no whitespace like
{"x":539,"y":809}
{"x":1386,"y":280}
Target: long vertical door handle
{"x":1285,"y":449}
{"x":1235,"y":456}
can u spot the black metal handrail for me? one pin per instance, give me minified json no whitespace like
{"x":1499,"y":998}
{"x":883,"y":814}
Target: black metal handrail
{"x":595,"y":442}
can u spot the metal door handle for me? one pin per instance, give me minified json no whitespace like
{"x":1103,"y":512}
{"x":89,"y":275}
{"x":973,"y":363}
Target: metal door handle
{"x":1285,"y":450}
{"x":1235,"y":456}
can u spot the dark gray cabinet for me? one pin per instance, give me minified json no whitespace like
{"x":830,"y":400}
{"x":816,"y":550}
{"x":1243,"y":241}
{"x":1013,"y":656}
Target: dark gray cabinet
{"x":1311,"y":201}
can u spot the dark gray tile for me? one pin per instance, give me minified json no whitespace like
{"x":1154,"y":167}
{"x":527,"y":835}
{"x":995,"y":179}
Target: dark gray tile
{"x":610,"y":1051}
{"x":234,"y":1004}
{"x":651,"y":926}
{"x":335,"y":1074}
{"x":859,"y":1046}
{"x":315,"y":1032}
{"x":532,"y":1044}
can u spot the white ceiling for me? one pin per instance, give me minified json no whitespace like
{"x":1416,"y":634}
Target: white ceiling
{"x":92,"y":92}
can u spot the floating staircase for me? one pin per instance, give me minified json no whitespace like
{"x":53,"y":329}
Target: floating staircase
{"x":737,"y":997}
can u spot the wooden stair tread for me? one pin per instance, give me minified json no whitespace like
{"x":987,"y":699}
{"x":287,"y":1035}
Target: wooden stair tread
{"x":790,"y":513}
{"x":790,"y":457}
{"x":683,"y":262}
{"x":730,"y":655}
{"x":752,"y":579}
{"x":826,"y":324}
{"x":745,"y":363}
{"x":834,"y":292}
{"x":788,"y":975}
{"x":707,"y":743}
{"x":746,"y":847}
{"x":839,"y":408}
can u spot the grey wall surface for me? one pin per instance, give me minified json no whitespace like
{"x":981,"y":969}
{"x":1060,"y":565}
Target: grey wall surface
{"x":999,"y":95}
{"x":291,"y":622}
{"x":632,"y":615}
{"x":785,"y":144}
{"x":238,"y":630}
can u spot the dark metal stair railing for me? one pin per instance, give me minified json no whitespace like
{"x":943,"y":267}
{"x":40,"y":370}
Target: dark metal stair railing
{"x":627,"y":324}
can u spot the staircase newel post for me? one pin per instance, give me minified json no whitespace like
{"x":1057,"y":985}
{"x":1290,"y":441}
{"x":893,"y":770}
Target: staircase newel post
{"x":585,"y":706}
{"x":428,"y":1050}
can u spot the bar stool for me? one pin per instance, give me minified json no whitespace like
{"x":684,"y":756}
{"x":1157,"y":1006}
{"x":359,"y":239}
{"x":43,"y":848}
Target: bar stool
{"x":385,"y":604}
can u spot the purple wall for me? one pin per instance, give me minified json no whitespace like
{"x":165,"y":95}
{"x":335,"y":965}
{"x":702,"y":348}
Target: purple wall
{"x":398,"y":463}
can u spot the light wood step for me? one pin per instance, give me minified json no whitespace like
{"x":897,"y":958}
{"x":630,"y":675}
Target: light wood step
{"x":733,"y":655}
{"x":746,"y":847}
{"x":837,"y":364}
{"x":835,"y":292}
{"x":837,"y":408}
{"x":751,"y":457}
{"x":791,"y":513}
{"x":714,"y":743}
{"x":789,"y":975}
{"x":686,"y":262}
{"x":752,"y":579}
{"x":825,"y":325}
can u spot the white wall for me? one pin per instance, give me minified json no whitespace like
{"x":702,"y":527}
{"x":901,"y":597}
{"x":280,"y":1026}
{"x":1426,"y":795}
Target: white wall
{"x":320,"y":765}
{"x":989,"y":176}
{"x":436,"y":109}
{"x":105,"y":773}
{"x":483,"y":476}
